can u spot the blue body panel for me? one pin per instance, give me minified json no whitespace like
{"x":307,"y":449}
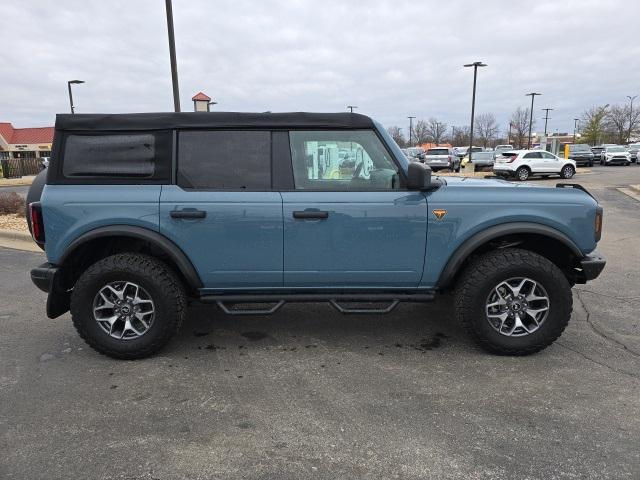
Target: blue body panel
{"x":370,"y":239}
{"x":71,"y":210}
{"x":237,"y":245}
{"x":473,"y":205}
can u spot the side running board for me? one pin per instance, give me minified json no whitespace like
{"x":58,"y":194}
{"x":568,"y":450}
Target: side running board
{"x":232,"y":304}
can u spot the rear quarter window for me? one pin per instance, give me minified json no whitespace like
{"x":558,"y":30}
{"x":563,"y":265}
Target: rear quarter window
{"x":139,"y":157}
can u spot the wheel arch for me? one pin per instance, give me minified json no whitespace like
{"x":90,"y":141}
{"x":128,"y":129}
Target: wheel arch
{"x":542,"y":239}
{"x":104,"y":241}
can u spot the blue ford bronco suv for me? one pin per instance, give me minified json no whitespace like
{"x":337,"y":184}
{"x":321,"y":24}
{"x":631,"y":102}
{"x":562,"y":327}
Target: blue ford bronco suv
{"x":140,"y":214}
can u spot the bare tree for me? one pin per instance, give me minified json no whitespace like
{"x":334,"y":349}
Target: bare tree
{"x":396,"y":134}
{"x":593,"y":125}
{"x":487,"y":128}
{"x":436,"y":129}
{"x":421,"y":133}
{"x":460,"y":136}
{"x":520,"y":127}
{"x":622,"y":122}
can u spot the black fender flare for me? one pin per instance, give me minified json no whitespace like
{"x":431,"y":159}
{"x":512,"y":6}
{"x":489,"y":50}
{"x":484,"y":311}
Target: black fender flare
{"x":174,"y":252}
{"x":456,"y":260}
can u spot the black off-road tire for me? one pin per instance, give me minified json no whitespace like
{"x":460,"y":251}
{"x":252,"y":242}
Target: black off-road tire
{"x":161,"y":283}
{"x":486,"y":272}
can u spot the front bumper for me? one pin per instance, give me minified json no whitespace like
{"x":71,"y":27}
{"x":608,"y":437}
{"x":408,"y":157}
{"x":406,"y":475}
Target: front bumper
{"x":591,"y":266}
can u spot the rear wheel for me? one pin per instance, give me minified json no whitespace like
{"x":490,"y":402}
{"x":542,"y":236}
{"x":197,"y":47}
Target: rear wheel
{"x":522,"y":173}
{"x":128,"y":305}
{"x":513,"y":302}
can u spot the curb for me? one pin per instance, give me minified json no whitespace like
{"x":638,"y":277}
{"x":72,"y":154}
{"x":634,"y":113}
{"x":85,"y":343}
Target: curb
{"x":18,"y":241}
{"x":633,"y":193}
{"x":635,"y":188}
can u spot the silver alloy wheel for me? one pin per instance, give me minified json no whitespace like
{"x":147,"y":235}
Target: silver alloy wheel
{"x":517,"y":307}
{"x":123,"y":310}
{"x":523,"y":174}
{"x":567,"y":172}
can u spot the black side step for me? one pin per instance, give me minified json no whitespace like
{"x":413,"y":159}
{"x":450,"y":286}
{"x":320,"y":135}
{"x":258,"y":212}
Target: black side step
{"x":336,"y":300}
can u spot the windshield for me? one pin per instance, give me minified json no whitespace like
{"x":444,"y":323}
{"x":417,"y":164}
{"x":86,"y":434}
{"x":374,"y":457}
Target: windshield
{"x":582,"y":147}
{"x":635,"y":146}
{"x":438,"y":151}
{"x":616,"y":149}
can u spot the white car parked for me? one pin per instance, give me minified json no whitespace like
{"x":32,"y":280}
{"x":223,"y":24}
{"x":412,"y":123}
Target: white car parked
{"x":522,"y":164}
{"x":615,"y":154}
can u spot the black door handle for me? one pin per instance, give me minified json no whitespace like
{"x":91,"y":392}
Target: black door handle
{"x":305,"y":214}
{"x":188,"y":213}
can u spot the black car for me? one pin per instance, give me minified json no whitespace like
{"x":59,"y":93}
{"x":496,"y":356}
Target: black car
{"x":582,"y":154}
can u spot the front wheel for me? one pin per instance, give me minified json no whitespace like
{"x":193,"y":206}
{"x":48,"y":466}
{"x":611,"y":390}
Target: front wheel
{"x":513,"y":301}
{"x":567,"y":172}
{"x":128,"y":305}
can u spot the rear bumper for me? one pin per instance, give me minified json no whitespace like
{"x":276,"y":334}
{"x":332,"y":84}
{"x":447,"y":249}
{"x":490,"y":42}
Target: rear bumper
{"x":44,"y":276}
{"x":49,"y":278}
{"x":592,"y":266}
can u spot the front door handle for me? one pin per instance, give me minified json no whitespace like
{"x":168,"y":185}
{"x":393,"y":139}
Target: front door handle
{"x":310,"y":214}
{"x":188,"y":213}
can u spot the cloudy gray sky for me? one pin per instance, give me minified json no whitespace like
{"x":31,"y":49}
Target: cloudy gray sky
{"x":391,"y":58}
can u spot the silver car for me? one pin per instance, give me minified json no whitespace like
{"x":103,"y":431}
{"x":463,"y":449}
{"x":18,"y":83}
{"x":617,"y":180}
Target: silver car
{"x":442,"y":157}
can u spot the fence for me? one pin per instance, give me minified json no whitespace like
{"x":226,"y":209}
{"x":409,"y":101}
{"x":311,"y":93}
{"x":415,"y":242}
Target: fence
{"x":19,"y":167}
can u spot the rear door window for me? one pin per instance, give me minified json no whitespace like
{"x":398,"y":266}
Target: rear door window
{"x":224,"y":160}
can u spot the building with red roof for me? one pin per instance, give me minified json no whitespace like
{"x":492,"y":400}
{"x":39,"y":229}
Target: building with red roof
{"x":201,"y":102}
{"x":25,"y":142}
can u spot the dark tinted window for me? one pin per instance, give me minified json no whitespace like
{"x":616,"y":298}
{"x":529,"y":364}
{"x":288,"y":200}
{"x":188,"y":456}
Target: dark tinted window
{"x":118,"y":156}
{"x":224,"y":160}
{"x":533,"y":155}
{"x":438,"y":151}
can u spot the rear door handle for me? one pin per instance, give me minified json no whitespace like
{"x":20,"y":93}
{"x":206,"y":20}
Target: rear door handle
{"x":188,"y":213}
{"x":310,"y":214}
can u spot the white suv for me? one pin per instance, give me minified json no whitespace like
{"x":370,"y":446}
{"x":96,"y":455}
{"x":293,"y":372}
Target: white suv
{"x":524,"y":163}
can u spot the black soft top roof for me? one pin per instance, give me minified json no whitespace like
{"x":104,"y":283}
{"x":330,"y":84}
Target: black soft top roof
{"x":162,"y":121}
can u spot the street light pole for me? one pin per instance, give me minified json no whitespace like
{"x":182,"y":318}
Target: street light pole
{"x":631,"y":99}
{"x":546,"y":119}
{"x":69,"y":83}
{"x":351,"y":107}
{"x":532,"y":95}
{"x":453,"y":134}
{"x":172,"y":56}
{"x":410,"y":130}
{"x":575,"y":127}
{"x":475,"y":66}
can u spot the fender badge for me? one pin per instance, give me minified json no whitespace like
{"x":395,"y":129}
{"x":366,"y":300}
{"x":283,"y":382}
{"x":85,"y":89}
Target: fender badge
{"x":439,"y":213}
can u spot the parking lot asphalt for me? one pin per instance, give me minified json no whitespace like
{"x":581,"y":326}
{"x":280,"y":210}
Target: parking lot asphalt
{"x":308,"y":393}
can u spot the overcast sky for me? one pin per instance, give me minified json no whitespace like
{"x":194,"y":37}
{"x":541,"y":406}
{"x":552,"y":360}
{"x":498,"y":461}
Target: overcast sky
{"x":390,"y":58}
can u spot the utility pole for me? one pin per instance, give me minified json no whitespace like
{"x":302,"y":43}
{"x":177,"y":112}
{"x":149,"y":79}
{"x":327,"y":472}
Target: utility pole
{"x":631,"y":99}
{"x":453,"y":134}
{"x":532,"y":95}
{"x":575,"y":127}
{"x":475,"y":66}
{"x":172,"y":55}
{"x":546,"y":119}
{"x":351,"y":107}
{"x":410,"y":130}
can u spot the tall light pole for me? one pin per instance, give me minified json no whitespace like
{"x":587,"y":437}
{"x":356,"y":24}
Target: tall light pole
{"x":69,"y":83}
{"x":546,"y":119}
{"x":475,"y":66}
{"x":575,"y":127}
{"x":410,"y":130}
{"x":453,"y":134}
{"x":532,"y":95}
{"x":172,"y":56}
{"x":631,"y":99}
{"x":351,"y":107}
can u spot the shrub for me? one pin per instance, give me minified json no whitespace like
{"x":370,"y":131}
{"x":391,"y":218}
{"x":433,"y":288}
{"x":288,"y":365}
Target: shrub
{"x":11,"y":202}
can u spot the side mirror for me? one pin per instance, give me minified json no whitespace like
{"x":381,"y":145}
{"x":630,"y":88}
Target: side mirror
{"x":418,"y":176}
